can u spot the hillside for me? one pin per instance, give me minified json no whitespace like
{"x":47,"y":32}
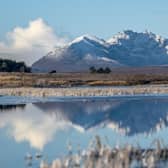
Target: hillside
{"x":126,"y":49}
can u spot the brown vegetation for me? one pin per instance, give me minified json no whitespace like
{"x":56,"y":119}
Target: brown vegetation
{"x":123,"y":76}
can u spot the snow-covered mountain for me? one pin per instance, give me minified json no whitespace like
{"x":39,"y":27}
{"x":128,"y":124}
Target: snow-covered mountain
{"x":124,"y":49}
{"x":79,"y":55}
{"x":139,"y":49}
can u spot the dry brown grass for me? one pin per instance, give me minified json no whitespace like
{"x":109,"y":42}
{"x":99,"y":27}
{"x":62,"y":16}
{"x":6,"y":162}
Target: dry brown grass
{"x":107,"y":83}
{"x":127,"y":76}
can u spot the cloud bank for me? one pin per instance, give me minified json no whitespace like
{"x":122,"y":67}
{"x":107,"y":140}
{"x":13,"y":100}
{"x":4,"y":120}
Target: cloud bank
{"x":38,"y":130}
{"x":30,"y":43}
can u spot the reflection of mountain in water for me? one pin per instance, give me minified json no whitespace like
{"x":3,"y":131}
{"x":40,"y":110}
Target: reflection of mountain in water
{"x":138,"y":114}
{"x":39,"y":123}
{"x":84,"y":113}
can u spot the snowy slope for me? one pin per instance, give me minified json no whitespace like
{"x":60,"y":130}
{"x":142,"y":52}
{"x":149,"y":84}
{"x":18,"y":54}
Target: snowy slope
{"x":124,"y":49}
{"x":79,"y":55}
{"x":138,"y":49}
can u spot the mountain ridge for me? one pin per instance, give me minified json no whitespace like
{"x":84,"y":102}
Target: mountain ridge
{"x":127,"y":48}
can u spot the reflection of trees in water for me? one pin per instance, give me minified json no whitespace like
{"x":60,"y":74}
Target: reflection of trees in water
{"x":12,"y":107}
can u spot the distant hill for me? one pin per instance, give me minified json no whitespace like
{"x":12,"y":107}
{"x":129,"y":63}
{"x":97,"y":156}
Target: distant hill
{"x":7,"y":65}
{"x":128,"y":48}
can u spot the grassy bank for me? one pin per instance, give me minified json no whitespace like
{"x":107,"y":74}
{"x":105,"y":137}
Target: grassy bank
{"x":118,"y":77}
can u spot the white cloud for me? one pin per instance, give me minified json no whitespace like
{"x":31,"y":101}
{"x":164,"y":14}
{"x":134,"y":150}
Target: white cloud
{"x":38,"y":130}
{"x":30,"y":43}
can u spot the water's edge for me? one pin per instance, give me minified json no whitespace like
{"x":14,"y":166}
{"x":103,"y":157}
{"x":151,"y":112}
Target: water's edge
{"x":87,"y":91}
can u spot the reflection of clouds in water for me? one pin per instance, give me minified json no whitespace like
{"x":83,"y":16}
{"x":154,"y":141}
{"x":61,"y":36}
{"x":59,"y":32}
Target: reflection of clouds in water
{"x":38,"y":123}
{"x":118,"y":128}
{"x":38,"y":128}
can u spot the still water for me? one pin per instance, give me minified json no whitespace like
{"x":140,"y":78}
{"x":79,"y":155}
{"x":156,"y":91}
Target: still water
{"x":47,"y":126}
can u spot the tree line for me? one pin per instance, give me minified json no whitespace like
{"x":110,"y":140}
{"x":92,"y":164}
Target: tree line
{"x":106,"y":70}
{"x":7,"y":65}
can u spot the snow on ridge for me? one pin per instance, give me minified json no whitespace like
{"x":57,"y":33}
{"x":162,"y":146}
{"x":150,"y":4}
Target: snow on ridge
{"x":106,"y":59}
{"x":87,"y":38}
{"x":89,"y":57}
{"x":127,"y":48}
{"x":115,"y":39}
{"x":127,"y":34}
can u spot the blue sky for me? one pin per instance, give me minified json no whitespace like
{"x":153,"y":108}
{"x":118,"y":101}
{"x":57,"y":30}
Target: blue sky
{"x":102,"y":18}
{"x":31,"y":28}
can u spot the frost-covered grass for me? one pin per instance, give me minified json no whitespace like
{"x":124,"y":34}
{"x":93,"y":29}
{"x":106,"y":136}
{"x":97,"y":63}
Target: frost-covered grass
{"x":102,"y":156}
{"x":85,"y":91}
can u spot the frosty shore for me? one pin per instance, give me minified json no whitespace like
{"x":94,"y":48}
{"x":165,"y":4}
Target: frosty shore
{"x":85,"y":91}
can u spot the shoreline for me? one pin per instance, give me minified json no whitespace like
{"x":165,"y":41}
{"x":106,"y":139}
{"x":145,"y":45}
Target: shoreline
{"x":86,"y":91}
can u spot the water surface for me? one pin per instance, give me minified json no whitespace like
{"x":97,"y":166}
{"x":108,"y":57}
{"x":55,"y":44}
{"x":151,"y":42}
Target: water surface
{"x":49,"y":126}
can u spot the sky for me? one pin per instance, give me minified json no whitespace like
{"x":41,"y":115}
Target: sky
{"x":31,"y":28}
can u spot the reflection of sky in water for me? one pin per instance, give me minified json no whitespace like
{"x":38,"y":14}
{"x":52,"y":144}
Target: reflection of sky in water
{"x":49,"y":126}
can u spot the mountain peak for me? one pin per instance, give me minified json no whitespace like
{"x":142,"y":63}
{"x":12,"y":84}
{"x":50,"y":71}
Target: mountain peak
{"x":88,"y":38}
{"x":121,"y":35}
{"x":127,"y":48}
{"x":132,"y":35}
